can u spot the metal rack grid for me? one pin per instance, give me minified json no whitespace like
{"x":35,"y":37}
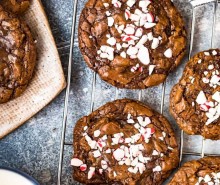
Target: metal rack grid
{"x":194,"y":4}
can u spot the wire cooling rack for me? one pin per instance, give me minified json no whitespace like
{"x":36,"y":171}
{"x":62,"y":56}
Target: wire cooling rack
{"x":195,"y":4}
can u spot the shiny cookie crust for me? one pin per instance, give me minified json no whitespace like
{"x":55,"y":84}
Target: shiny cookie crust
{"x":198,"y":172}
{"x":195,"y":100}
{"x":132,"y":44}
{"x":18,"y":56}
{"x":124,"y":142}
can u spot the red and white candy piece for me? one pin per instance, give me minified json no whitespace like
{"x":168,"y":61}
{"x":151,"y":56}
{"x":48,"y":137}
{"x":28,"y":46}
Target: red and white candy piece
{"x":155,"y":152}
{"x":139,"y":32}
{"x":201,"y":98}
{"x":130,"y":3}
{"x":144,"y":4}
{"x":128,"y":161}
{"x":135,"y":17}
{"x":104,"y":164}
{"x":206,"y":53}
{"x":215,"y":79}
{"x":155,"y":43}
{"x":211,"y":67}
{"x":76,"y":162}
{"x":216,"y":96}
{"x":123,"y":54}
{"x":88,"y":138}
{"x":127,"y":14}
{"x":149,"y":25}
{"x":92,"y":144}
{"x":199,"y":61}
{"x":164,"y":134}
{"x":132,"y":51}
{"x":206,"y":73}
{"x":108,"y":151}
{"x":168,"y":53}
{"x":91,"y":172}
{"x":142,"y":41}
{"x":118,"y":154}
{"x":143,"y":19}
{"x":207,"y":178}
{"x":108,"y":13}
{"x":214,"y":52}
{"x":143,"y":55}
{"x":117,"y":4}
{"x":141,"y":158}
{"x":96,"y":153}
{"x":128,"y":140}
{"x":106,"y":5}
{"x":97,"y":133}
{"x":150,"y":17}
{"x":131,"y":121}
{"x":141,"y":167}
{"x":136,"y":137}
{"x":150,"y":130}
{"x":83,"y":167}
{"x":134,"y":162}
{"x":105,"y":137}
{"x":157,"y":169}
{"x":150,"y":36}
{"x":118,"y":46}
{"x":204,"y":107}
{"x":110,"y":21}
{"x":151,"y":69}
{"x":205,"y":80}
{"x":210,"y":120}
{"x":100,"y":171}
{"x":138,"y":12}
{"x":129,"y":30}
{"x":111,"y":41}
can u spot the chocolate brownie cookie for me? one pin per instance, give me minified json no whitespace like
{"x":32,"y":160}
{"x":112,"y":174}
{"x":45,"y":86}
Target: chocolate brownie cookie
{"x":195,"y":100}
{"x":17,"y":56}
{"x":132,"y":43}
{"x":124,"y":142}
{"x":15,"y":6}
{"x":205,"y":171}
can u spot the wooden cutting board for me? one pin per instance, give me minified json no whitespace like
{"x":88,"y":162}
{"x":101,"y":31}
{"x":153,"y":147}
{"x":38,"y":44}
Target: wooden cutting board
{"x":48,"y":80}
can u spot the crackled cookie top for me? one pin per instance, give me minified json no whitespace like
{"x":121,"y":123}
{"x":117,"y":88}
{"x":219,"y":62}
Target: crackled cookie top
{"x":132,"y":43}
{"x":16,"y":6}
{"x":124,"y":142}
{"x":195,"y":100}
{"x":17,"y":56}
{"x":201,"y":172}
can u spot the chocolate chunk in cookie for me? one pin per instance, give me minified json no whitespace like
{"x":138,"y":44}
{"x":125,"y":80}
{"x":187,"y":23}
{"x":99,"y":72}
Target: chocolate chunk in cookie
{"x":195,"y":100}
{"x":205,"y":171}
{"x":132,"y":44}
{"x":17,"y":56}
{"x":124,"y":142}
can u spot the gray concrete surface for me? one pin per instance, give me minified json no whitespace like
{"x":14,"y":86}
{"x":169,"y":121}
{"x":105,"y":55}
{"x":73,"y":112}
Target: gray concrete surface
{"x":34,"y":147}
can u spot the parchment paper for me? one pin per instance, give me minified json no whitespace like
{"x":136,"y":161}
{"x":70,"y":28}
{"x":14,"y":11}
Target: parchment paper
{"x":48,"y":80}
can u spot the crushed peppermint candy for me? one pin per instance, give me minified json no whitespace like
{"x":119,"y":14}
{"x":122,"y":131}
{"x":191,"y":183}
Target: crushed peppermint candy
{"x":157,"y":169}
{"x":91,"y":172}
{"x":210,"y":179}
{"x":212,"y":108}
{"x":133,"y":41}
{"x":97,"y":133}
{"x":83,"y":167}
{"x":168,"y":53}
{"x":201,"y":98}
{"x":76,"y":162}
{"x":126,"y":151}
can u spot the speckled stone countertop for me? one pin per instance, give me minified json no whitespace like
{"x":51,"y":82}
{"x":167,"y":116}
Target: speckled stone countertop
{"x":35,"y":147}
